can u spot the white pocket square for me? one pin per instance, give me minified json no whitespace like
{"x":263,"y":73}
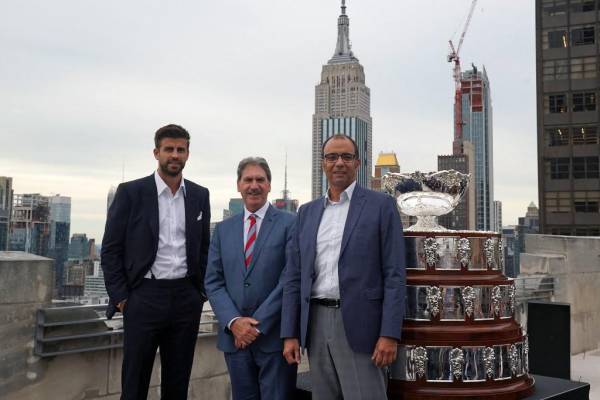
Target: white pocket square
{"x":199,"y":216}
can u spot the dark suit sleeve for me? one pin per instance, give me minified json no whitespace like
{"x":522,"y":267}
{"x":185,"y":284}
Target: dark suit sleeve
{"x":393,"y":269}
{"x":290,"y":307}
{"x":219,"y":298}
{"x":113,"y":246}
{"x":205,"y":244}
{"x":269,"y":312}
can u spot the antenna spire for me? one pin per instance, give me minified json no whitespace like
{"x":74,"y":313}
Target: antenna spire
{"x":343,"y":7}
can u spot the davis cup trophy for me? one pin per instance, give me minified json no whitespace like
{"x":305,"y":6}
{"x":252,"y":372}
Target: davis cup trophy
{"x":460,"y":339}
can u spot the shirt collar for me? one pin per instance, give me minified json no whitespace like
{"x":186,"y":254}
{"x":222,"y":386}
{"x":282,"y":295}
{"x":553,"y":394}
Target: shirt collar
{"x":345,"y":195}
{"x":260,"y":213}
{"x":161,"y":185}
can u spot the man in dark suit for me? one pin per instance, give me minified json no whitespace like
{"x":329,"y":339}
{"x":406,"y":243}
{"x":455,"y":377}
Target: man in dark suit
{"x":154,"y":255}
{"x":245,"y":263}
{"x":344,"y":284}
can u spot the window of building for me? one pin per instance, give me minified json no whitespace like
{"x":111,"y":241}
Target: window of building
{"x":583,"y":36}
{"x":554,"y":7}
{"x":555,"y":70}
{"x":557,"y":137}
{"x":585,"y":135}
{"x":558,"y":202}
{"x":558,"y":168}
{"x":584,"y":101}
{"x":587,"y":202}
{"x":554,"y":39}
{"x":578,"y":6}
{"x":583,"y":68}
{"x":555,"y":103}
{"x":585,"y":167}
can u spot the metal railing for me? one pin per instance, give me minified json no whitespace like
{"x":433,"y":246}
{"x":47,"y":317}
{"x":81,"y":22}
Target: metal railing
{"x":535,"y":287}
{"x":70,"y":329}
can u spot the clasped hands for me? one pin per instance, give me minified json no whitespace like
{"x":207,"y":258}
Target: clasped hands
{"x":244,"y":331}
{"x":384,"y":354}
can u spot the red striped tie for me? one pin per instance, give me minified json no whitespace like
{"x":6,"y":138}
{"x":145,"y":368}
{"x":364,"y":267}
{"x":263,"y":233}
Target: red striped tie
{"x":249,"y":248}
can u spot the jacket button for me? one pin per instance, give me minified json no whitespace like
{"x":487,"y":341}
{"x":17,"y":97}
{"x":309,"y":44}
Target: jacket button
{"x":246,"y":284}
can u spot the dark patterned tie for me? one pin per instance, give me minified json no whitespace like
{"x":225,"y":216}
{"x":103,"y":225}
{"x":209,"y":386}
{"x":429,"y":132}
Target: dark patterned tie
{"x":249,"y":248}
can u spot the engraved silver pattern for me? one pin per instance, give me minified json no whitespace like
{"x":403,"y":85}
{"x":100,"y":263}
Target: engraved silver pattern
{"x":464,"y":252}
{"x":434,"y":297}
{"x":511,"y":295}
{"x":431,"y":246}
{"x":488,"y":247}
{"x":498,"y":362}
{"x":457,"y":363}
{"x":497,"y":299}
{"x":468,"y":295}
{"x":513,"y":358}
{"x":526,"y":354}
{"x":489,"y":361}
{"x":420,"y":359}
{"x":501,"y":250}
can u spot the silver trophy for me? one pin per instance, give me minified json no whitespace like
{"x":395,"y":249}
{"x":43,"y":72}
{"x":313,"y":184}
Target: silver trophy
{"x":426,"y":195}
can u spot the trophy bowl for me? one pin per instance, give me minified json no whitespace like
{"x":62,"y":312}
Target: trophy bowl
{"x":426,"y":195}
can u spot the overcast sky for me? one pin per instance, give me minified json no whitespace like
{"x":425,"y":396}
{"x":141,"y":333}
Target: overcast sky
{"x":86,"y":84}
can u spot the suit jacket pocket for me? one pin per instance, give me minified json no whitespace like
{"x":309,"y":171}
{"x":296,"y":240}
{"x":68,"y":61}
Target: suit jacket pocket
{"x":374,"y":293}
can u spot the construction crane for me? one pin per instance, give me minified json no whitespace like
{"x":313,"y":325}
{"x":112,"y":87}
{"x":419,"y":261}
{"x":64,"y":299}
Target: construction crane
{"x":454,"y":57}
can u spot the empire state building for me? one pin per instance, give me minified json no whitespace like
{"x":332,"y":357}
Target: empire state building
{"x":342,"y":105}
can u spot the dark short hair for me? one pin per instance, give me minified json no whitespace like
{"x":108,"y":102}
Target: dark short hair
{"x":261,"y":162}
{"x":338,"y":136}
{"x":170,"y":131}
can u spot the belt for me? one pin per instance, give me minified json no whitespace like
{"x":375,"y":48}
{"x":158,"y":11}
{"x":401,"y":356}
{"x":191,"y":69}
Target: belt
{"x":331,"y":303}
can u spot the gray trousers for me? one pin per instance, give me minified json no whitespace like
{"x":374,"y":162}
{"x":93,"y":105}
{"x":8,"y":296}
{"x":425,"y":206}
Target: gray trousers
{"x":336,"y":371}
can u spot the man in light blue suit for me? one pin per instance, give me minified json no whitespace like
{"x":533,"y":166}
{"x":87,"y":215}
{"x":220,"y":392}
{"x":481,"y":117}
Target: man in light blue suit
{"x":245,"y":263}
{"x":344,"y":284}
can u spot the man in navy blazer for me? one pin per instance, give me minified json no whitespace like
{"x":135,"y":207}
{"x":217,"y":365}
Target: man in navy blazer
{"x":245,"y":263}
{"x":344,"y":284}
{"x":153,"y":256}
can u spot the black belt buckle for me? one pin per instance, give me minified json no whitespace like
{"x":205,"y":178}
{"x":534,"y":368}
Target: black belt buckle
{"x":331,"y":303}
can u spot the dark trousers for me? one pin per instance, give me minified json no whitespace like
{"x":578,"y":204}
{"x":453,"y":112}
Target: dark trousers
{"x":162,"y":314}
{"x":256,"y":375}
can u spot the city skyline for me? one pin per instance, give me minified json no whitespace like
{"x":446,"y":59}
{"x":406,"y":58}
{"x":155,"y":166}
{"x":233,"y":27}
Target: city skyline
{"x":83,"y":98}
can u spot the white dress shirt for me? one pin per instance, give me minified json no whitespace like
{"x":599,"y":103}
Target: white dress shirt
{"x":171,"y":256}
{"x":260,"y":216}
{"x":329,"y":243}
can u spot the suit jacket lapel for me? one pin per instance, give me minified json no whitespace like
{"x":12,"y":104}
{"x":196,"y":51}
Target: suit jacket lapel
{"x":356,"y":206}
{"x":151,"y":206}
{"x":313,"y":230}
{"x":237,"y":235}
{"x":263,"y":235}
{"x":191,"y":212}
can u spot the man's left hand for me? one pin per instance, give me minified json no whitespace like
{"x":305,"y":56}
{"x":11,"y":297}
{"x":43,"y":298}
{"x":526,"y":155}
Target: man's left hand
{"x":385,"y":351}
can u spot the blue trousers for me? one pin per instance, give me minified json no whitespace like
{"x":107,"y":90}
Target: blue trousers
{"x":257,"y":375}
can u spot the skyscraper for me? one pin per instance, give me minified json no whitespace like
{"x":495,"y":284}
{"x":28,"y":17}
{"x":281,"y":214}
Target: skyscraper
{"x":477,"y":129}
{"x":6,"y":201}
{"x":386,"y":162}
{"x":60,"y":227}
{"x":30,"y":224}
{"x":567,"y":117}
{"x":463,"y":215}
{"x":497,"y":223}
{"x":342,"y":105}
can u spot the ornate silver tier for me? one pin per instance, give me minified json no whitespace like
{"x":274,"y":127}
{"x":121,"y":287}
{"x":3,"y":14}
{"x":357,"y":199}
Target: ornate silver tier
{"x":426,"y":195}
{"x":454,"y":252}
{"x":456,"y":303}
{"x":468,"y":364}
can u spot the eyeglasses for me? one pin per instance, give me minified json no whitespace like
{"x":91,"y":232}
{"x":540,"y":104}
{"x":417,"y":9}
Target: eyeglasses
{"x":333,"y":157}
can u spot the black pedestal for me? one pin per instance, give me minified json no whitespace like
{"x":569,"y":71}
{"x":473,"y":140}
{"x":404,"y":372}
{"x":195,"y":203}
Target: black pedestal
{"x":546,"y":388}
